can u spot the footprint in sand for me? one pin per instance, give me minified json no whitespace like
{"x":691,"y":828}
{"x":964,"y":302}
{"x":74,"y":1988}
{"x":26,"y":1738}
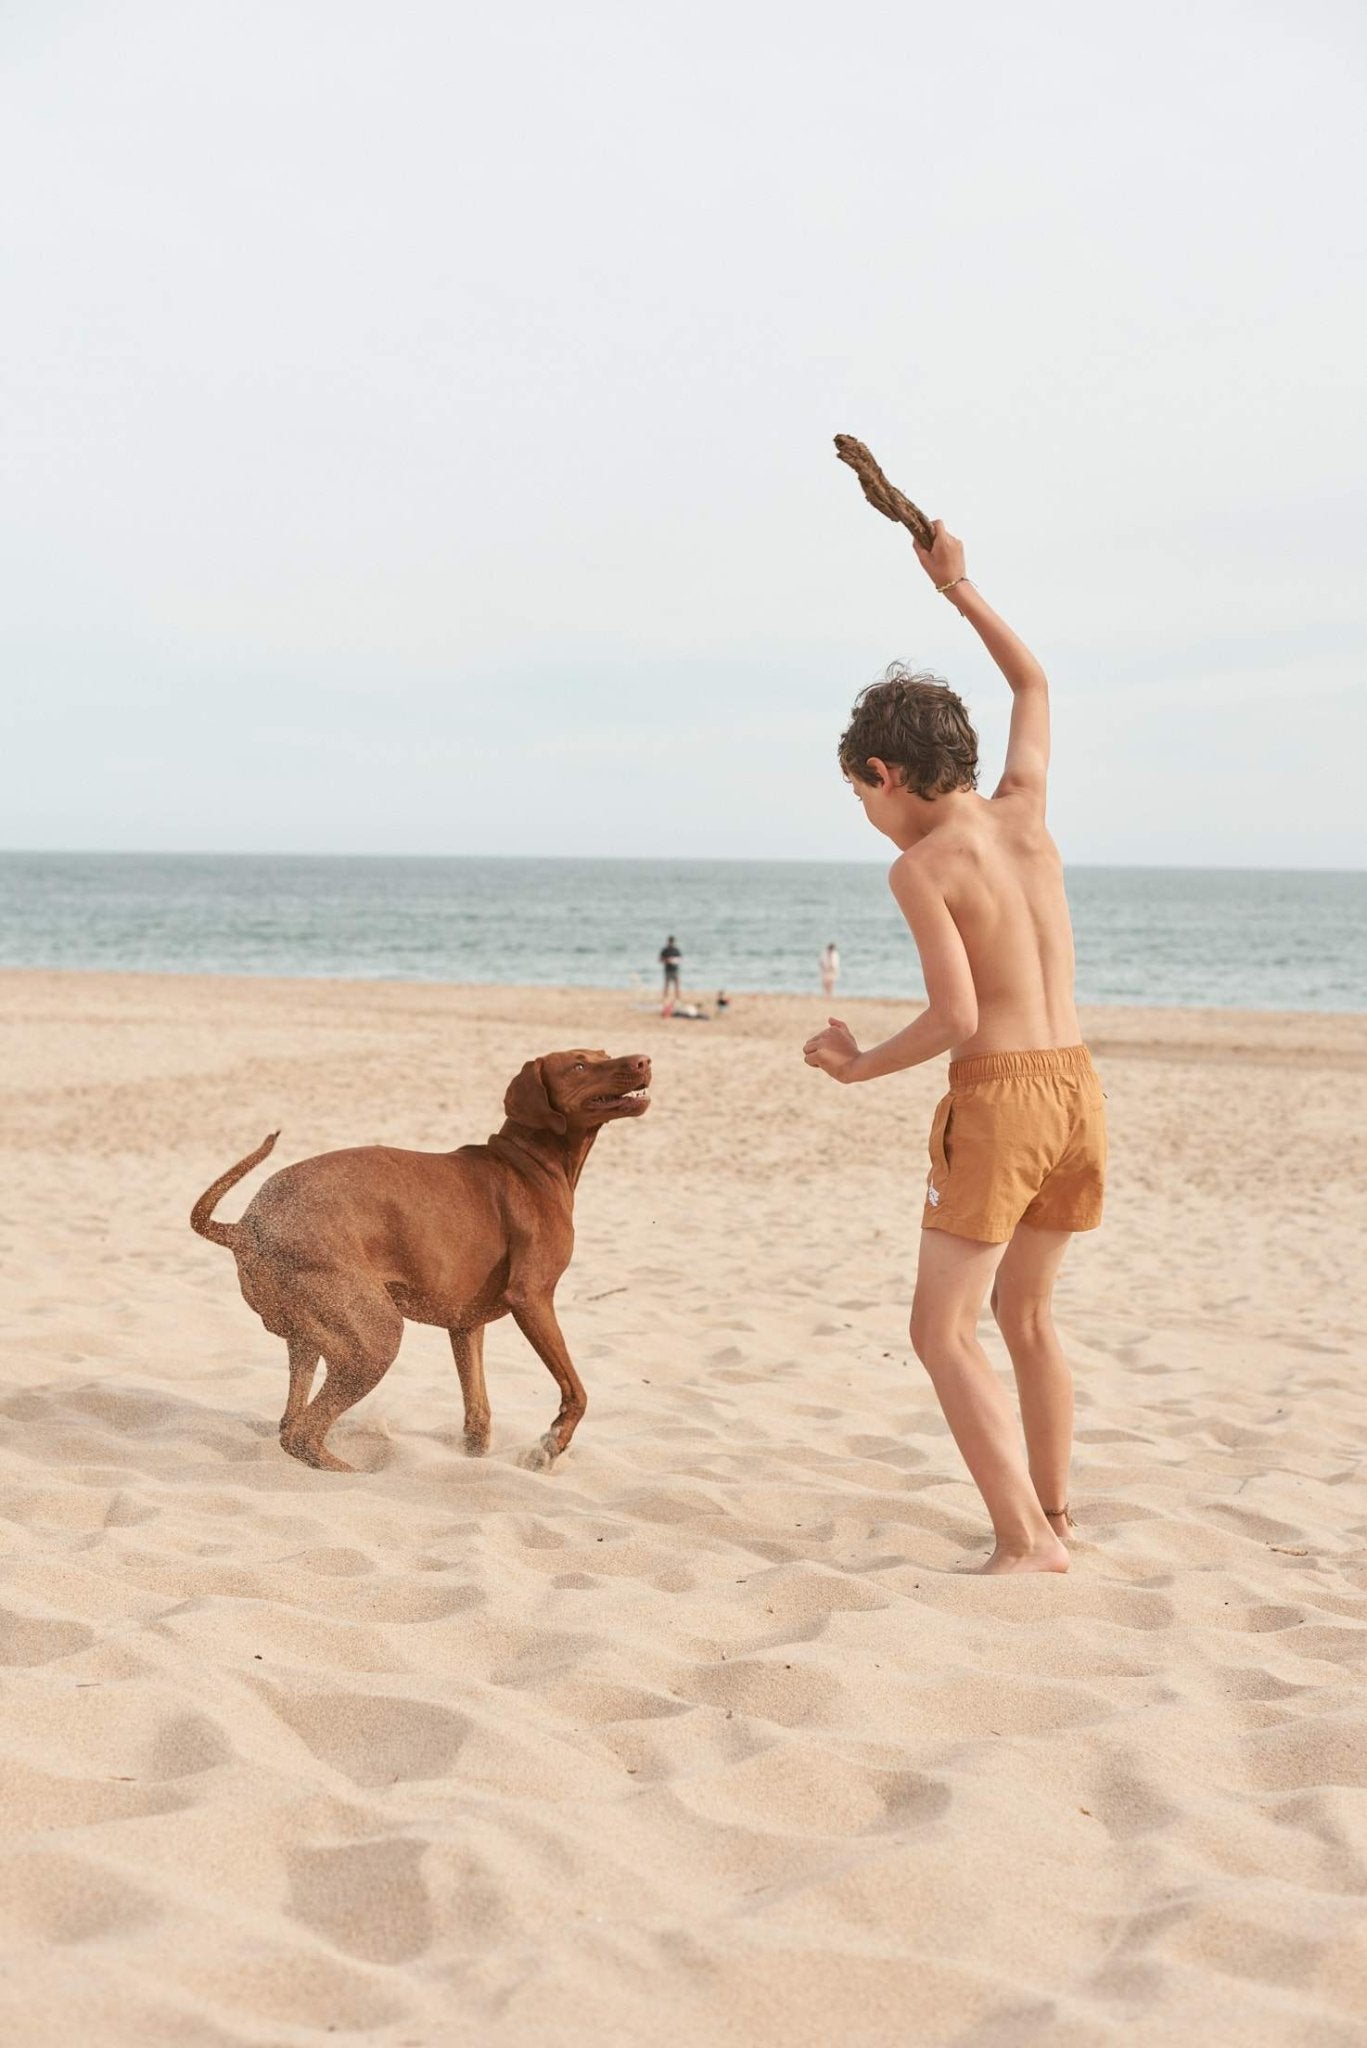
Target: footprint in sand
{"x":390,"y":1600}
{"x":341,"y":1564}
{"x":1264,"y":1527}
{"x":789,"y":1694}
{"x":591,"y":1700}
{"x":65,"y":1898}
{"x":367,"y":1898}
{"x":800,"y":1594}
{"x":371,"y":1738}
{"x":1245,"y":1682}
{"x":1305,"y":1753}
{"x":33,"y":1639}
{"x":1127,"y":1606}
{"x":809,"y":1791}
{"x":1258,"y":1621}
{"x":885,"y":1450}
{"x":289,"y":1987}
{"x":1126,"y":1804}
{"x":35,"y":1801}
{"x":186,"y":1744}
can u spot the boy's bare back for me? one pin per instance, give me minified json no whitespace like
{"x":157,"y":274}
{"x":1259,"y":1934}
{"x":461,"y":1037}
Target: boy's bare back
{"x":1000,"y":876}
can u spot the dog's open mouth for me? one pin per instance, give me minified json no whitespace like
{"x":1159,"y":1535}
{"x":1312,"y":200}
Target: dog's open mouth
{"x":634,"y":1100}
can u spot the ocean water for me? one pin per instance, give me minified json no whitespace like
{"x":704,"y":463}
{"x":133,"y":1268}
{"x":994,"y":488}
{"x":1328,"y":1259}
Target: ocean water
{"x":1226,"y":938}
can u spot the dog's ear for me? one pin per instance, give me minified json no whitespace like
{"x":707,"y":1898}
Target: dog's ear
{"x":526,"y":1102}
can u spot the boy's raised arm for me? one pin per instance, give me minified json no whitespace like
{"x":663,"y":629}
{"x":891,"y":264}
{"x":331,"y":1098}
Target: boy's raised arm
{"x":1027,"y":747}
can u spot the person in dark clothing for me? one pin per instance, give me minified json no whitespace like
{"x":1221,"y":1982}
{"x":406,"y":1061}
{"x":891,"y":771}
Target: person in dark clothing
{"x":670,"y":956}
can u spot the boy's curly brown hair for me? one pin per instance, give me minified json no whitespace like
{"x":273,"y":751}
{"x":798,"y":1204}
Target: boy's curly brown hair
{"x":915,"y":722}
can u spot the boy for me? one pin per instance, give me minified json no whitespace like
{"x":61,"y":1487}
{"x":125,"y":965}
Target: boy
{"x":1018,"y":1146}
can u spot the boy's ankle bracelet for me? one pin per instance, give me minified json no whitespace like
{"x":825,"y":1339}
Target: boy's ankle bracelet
{"x":941,"y":588}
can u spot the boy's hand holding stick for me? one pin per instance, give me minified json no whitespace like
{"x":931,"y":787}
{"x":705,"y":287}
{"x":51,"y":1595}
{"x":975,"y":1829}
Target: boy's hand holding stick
{"x":940,"y":555}
{"x":883,"y":496}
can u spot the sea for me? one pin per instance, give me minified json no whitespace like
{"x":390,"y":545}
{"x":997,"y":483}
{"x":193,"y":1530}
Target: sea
{"x":1232,"y":938}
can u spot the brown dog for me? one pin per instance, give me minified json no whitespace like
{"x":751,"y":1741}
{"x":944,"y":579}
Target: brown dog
{"x":334,"y":1252}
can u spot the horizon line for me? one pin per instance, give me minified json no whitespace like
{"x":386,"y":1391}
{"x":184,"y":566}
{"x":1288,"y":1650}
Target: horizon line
{"x":659,"y":860}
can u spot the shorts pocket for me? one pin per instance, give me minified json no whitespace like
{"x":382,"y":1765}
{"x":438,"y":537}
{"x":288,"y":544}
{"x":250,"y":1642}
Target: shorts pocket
{"x":938,"y":1177}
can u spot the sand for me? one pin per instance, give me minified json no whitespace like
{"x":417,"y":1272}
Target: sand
{"x":708,"y":1736}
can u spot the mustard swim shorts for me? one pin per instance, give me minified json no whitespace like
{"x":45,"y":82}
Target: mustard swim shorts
{"x":1020,"y":1138}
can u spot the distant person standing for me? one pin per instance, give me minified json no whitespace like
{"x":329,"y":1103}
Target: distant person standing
{"x":670,"y":956}
{"x":830,"y":969}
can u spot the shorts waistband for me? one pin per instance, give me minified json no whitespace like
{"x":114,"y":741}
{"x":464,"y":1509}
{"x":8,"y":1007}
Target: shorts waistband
{"x":1007,"y":1066}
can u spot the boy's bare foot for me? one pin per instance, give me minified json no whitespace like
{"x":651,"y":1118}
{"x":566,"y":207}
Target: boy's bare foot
{"x":1049,"y":1555}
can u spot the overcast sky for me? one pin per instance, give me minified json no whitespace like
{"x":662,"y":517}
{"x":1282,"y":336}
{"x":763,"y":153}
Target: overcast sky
{"x":419,"y":416}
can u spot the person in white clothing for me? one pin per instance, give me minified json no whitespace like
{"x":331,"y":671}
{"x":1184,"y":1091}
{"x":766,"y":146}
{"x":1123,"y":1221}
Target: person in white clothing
{"x":830,"y":969}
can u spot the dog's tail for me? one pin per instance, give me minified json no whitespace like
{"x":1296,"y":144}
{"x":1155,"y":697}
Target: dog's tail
{"x":202,"y":1215}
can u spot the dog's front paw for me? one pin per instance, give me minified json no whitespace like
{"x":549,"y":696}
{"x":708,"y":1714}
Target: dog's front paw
{"x":541,"y":1456}
{"x":474,"y":1444}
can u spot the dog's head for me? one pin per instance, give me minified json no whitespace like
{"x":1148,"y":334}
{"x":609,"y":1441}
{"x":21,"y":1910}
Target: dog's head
{"x":579,"y":1088}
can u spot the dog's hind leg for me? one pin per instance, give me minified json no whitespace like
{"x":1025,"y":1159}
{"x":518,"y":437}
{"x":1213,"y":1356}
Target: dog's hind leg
{"x":342,"y":1388}
{"x":356,"y":1362}
{"x":304,"y":1357}
{"x":468,"y":1349}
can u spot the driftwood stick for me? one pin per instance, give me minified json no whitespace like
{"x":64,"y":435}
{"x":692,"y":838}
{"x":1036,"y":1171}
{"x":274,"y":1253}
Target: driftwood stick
{"x":883,"y":496}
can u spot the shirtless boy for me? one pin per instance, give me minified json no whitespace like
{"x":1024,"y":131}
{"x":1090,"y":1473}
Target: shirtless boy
{"x":1018,"y":1145}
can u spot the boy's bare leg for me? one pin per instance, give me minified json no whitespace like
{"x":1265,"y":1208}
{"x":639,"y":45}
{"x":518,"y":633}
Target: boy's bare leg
{"x":951,"y":1282}
{"x":1022,"y":1299}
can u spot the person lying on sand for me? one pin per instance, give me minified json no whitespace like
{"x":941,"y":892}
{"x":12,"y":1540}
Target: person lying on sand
{"x":1018,"y":1145}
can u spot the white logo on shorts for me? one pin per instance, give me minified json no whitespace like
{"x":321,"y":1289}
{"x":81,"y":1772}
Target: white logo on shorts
{"x":932,"y":1196}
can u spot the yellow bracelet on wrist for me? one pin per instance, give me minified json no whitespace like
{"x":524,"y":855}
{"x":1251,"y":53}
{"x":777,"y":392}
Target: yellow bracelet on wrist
{"x":941,"y":588}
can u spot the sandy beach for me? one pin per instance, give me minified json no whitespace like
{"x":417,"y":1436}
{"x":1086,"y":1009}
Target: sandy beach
{"x":708,"y":1736}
